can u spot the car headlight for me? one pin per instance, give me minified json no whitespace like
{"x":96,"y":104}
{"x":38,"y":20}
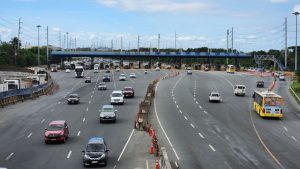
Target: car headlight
{"x":103,"y":156}
{"x":86,"y":156}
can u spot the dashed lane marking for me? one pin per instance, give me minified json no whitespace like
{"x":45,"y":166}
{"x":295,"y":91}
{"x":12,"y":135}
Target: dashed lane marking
{"x":285,"y":128}
{"x":59,"y":102}
{"x":200,"y":107}
{"x":185,"y":118}
{"x":192,"y":125}
{"x":87,"y":109}
{"x":180,"y":111}
{"x":69,"y":154}
{"x":90,"y":102}
{"x":83,"y":119}
{"x":9,"y":156}
{"x":42,"y":120}
{"x":176,"y":164}
{"x":200,"y":135}
{"x":91,"y":96}
{"x":197,"y":102}
{"x":293,"y":137}
{"x":29,"y":135}
{"x":212,"y":148}
{"x":78,"y":134}
{"x":205,"y":112}
{"x":177,"y":106}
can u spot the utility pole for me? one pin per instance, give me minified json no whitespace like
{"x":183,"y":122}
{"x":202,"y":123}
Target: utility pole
{"x":286,"y":49}
{"x":158,"y":42}
{"x":138,"y":44}
{"x":121,"y":44}
{"x":232,"y":39}
{"x":59,"y":39}
{"x":38,"y":60}
{"x":64,"y":46}
{"x":175,"y":40}
{"x":75,"y":44}
{"x":67,"y":40}
{"x":47,"y":47}
{"x":296,"y":50}
{"x":19,"y":31}
{"x":227,"y":45}
{"x":112,"y":45}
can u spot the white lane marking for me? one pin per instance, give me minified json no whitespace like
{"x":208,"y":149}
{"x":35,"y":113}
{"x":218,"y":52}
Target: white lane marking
{"x":195,"y":99}
{"x":87,"y":109}
{"x":294,"y":138}
{"x":155,"y":109}
{"x":69,"y":154}
{"x":78,"y":134}
{"x":176,"y":164}
{"x":218,"y":129}
{"x":194,"y":95}
{"x":180,"y":111}
{"x":29,"y":135}
{"x":175,"y":102}
{"x":177,"y":106}
{"x":125,"y":145}
{"x":147,"y":164}
{"x":227,"y":165}
{"x":94,"y":89}
{"x":115,"y":166}
{"x":173,"y":98}
{"x":52,"y":110}
{"x":43,"y":121}
{"x":197,"y":102}
{"x":192,"y":125}
{"x":205,"y":112}
{"x":211,"y":147}
{"x":285,"y":128}
{"x":8,"y":157}
{"x":83,"y":119}
{"x":90,"y":102}
{"x":185,"y":117}
{"x":227,"y":137}
{"x":91,"y":96}
{"x":59,"y":102}
{"x":200,"y":135}
{"x":200,"y":107}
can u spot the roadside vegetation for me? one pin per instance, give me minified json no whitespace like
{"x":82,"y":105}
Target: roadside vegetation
{"x":296,"y":85}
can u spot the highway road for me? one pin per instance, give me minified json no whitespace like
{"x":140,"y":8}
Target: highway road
{"x":22,"y":125}
{"x":199,"y":134}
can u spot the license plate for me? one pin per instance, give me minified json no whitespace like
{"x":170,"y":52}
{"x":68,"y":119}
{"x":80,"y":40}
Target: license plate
{"x":94,"y":162}
{"x":53,"y":139}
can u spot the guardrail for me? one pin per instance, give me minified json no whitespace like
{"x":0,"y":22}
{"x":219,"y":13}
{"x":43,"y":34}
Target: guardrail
{"x":13,"y":96}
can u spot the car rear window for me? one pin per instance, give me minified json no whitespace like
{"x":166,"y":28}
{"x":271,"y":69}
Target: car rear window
{"x":241,"y":87}
{"x":55,"y":127}
{"x":116,"y":95}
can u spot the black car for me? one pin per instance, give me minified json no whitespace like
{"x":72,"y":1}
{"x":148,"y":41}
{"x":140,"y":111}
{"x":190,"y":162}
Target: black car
{"x":95,"y":153}
{"x":73,"y":99}
{"x":260,"y":84}
{"x":88,"y":79}
{"x":106,"y":78}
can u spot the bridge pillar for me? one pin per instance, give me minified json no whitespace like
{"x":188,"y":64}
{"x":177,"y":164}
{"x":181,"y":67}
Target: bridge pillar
{"x":92,"y":60}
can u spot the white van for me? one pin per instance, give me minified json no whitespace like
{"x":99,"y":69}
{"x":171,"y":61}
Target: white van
{"x":240,"y":90}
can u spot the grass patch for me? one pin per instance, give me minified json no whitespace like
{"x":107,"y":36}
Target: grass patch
{"x":296,"y":87}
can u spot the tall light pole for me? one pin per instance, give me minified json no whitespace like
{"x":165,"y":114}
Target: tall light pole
{"x":38,"y":60}
{"x":296,"y":55}
{"x":67,"y":40}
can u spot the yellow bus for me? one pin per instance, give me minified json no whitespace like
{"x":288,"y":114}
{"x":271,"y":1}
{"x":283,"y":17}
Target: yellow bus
{"x":267,"y":104}
{"x":230,"y":69}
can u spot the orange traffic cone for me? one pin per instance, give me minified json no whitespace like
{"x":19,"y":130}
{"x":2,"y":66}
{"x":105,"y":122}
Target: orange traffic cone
{"x":150,"y":131}
{"x":151,"y":149}
{"x":156,"y":165}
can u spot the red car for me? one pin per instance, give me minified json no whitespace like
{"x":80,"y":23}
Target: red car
{"x":56,"y":131}
{"x":128,"y":92}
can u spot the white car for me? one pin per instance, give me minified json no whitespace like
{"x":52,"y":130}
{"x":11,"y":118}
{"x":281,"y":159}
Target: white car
{"x":122,"y":77}
{"x":68,"y":70}
{"x":215,"y":97}
{"x":117,"y":97}
{"x":157,"y":69}
{"x":118,"y":69}
{"x":132,"y":75}
{"x":281,"y":77}
{"x":240,"y":90}
{"x":189,"y":71}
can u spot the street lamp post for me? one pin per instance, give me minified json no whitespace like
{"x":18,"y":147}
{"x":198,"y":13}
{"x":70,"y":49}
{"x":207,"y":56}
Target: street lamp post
{"x":38,"y":60}
{"x":296,"y":52}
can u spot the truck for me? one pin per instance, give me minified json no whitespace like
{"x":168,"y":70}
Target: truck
{"x":4,"y":87}
{"x":126,"y":65}
{"x":79,"y":71}
{"x":14,"y":84}
{"x":96,"y":68}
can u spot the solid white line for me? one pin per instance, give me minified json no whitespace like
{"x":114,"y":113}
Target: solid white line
{"x":176,"y":164}
{"x":294,"y":138}
{"x":125,"y":145}
{"x":83,"y":119}
{"x":147,"y":164}
{"x":155,"y":109}
{"x":69,"y":154}
{"x":8,"y":157}
{"x":205,"y":112}
{"x":201,"y":135}
{"x":212,"y":148}
{"x":87,"y":109}
{"x":192,"y":125}
{"x":43,"y":121}
{"x":185,"y":117}
{"x":29,"y":135}
{"x":78,"y":134}
{"x":285,"y":128}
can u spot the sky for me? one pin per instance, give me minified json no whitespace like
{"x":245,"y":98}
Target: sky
{"x":256,"y":24}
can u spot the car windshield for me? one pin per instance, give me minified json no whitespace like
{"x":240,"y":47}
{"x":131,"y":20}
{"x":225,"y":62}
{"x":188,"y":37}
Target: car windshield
{"x":106,"y":109}
{"x":215,"y":95}
{"x":73,"y":96}
{"x":127,"y":89}
{"x":95,"y":148}
{"x":55,"y":127}
{"x":116,"y":95}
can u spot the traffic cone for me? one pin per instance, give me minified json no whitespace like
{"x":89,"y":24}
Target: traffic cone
{"x":151,"y":149}
{"x":150,"y":131}
{"x":156,"y":165}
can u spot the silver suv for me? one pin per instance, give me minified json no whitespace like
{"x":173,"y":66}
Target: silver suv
{"x":108,"y":113}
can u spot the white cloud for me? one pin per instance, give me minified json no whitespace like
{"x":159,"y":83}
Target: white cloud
{"x":278,"y":1}
{"x":157,"y":5}
{"x":297,"y":8}
{"x":55,"y":29}
{"x":5,"y":32}
{"x":92,"y":36}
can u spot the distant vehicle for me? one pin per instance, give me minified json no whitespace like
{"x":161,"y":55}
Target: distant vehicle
{"x":281,"y":77}
{"x":230,"y":69}
{"x":13,"y":84}
{"x":102,"y":86}
{"x":215,"y":97}
{"x":189,"y":70}
{"x":117,"y":97}
{"x":106,"y":78}
{"x":79,"y":71}
{"x":132,"y":75}
{"x":118,"y":69}
{"x":267,"y":104}
{"x":240,"y":90}
{"x":157,"y":69}
{"x":206,"y":67}
{"x":68,"y":70}
{"x":87,"y":79}
{"x":73,"y":99}
{"x":42,"y":72}
{"x":56,"y":131}
{"x":95,"y":153}
{"x":146,"y":72}
{"x":128,"y":92}
{"x":96,"y":68}
{"x":126,"y":65}
{"x":107,"y":70}
{"x":53,"y":68}
{"x":108,"y":113}
{"x":122,"y":77}
{"x":260,"y":84}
